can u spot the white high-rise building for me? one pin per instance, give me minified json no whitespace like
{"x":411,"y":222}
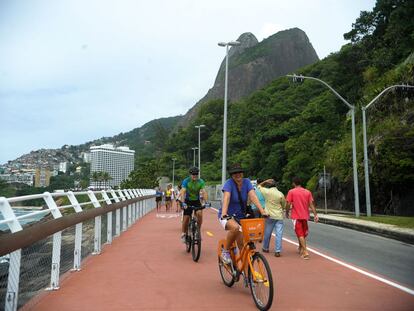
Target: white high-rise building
{"x":118,"y":162}
{"x":63,"y":167}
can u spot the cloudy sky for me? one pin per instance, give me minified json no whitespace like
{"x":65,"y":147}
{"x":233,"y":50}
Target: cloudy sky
{"x":75,"y":70}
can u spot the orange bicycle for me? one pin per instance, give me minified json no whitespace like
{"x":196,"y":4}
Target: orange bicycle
{"x":249,"y":263}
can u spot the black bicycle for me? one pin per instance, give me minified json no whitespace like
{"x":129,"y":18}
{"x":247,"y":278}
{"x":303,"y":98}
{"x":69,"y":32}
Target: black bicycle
{"x":193,"y":235}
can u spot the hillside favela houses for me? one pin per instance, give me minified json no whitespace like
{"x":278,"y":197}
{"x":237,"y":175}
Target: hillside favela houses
{"x":118,"y":162}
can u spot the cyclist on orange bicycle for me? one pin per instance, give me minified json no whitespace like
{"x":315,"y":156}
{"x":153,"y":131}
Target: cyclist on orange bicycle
{"x":236,"y":191}
{"x":190,"y":194}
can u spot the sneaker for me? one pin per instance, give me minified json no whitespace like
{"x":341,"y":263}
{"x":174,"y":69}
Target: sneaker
{"x":265,"y":250}
{"x":183,"y":239}
{"x":277,"y":254}
{"x":225,"y":256}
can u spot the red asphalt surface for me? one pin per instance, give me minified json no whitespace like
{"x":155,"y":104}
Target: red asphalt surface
{"x":147,"y":268}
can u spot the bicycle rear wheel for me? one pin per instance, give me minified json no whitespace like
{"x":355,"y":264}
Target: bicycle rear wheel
{"x":261,"y":282}
{"x":196,"y":243}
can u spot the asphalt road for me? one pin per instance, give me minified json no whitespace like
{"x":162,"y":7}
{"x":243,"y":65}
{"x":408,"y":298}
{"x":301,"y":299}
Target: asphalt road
{"x":389,"y":258}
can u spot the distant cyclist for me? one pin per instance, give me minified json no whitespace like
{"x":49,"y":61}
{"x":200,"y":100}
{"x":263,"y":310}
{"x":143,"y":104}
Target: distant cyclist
{"x":190,"y":194}
{"x":236,"y":191}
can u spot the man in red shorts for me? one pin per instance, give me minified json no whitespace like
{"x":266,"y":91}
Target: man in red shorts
{"x":299,"y":200}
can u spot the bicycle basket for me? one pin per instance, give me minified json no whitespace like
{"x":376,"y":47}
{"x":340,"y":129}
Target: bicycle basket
{"x":253,"y":229}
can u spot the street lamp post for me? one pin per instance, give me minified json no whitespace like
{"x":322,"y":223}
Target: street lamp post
{"x":199,"y":149}
{"x":173,"y":159}
{"x":364,"y":132}
{"x":224,"y":163}
{"x":352,"y":109}
{"x":194,"y":149}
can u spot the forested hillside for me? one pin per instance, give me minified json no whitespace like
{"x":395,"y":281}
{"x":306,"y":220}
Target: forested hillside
{"x":288,"y":129}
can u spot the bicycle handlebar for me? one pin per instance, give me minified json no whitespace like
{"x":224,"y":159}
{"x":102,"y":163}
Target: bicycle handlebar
{"x":196,"y":208}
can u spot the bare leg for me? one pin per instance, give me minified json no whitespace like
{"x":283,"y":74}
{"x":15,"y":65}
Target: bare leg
{"x":299,"y":247}
{"x":199,"y":215}
{"x":302,"y":243}
{"x":186,"y":221}
{"x":233,"y":234}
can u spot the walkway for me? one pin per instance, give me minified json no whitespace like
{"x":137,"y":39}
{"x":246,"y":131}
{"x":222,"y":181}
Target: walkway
{"x":147,"y":268}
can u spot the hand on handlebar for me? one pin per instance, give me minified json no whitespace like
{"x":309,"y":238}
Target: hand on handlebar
{"x":265,"y":214}
{"x":207,"y":204}
{"x":227,"y":217}
{"x":183,"y":205}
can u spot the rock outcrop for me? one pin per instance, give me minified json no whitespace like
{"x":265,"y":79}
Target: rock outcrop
{"x":253,"y":64}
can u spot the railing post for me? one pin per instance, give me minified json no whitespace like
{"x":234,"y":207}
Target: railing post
{"x":98,"y":224}
{"x":128,"y":207}
{"x":133,"y":205}
{"x":15,"y":258}
{"x":136,"y":204}
{"x":77,"y":252}
{"x":141,"y":205}
{"x":57,"y":243}
{"x":117,"y":215}
{"x":108,"y":219}
{"x":124,"y":215}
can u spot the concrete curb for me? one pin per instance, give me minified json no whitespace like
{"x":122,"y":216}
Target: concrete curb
{"x":393,"y":234}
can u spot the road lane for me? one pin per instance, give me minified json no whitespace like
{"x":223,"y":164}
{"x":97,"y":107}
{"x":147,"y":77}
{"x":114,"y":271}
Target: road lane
{"x":386,"y":257}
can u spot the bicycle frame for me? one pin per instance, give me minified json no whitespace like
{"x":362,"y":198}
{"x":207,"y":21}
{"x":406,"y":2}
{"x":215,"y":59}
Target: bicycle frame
{"x":193,"y":234}
{"x":242,"y":261}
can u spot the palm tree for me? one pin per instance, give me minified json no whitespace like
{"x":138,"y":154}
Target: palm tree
{"x":95,"y":177}
{"x":106,"y":177}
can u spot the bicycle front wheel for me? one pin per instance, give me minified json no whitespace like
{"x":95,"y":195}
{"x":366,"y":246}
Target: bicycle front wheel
{"x":188,"y":239}
{"x":261,"y":282}
{"x":196,"y":243}
{"x":226,"y":271}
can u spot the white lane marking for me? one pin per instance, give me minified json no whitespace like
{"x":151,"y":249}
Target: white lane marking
{"x":167,"y":215}
{"x":376,"y":277}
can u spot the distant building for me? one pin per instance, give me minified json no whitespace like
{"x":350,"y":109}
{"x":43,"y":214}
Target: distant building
{"x":63,"y":167}
{"x":78,"y":169}
{"x":42,"y":177}
{"x":118,"y":162}
{"x":22,"y":178}
{"x":86,"y":157}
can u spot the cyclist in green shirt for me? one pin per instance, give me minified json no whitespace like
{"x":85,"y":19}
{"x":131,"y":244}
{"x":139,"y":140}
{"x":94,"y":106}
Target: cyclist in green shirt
{"x":190,"y":194}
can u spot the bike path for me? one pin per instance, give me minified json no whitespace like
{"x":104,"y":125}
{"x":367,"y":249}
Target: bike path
{"x":147,"y":268}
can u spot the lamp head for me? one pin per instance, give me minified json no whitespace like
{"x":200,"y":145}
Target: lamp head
{"x":234,"y":43}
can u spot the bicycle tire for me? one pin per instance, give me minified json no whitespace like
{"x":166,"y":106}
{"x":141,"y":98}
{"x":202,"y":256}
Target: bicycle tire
{"x":262,"y":288}
{"x":188,"y":241}
{"x":226,"y":271}
{"x":196,"y":242}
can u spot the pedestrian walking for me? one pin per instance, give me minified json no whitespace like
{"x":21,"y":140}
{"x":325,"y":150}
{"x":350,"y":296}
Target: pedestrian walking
{"x":158,"y":198}
{"x":259,"y":197}
{"x":299,"y":200}
{"x":275,"y":204}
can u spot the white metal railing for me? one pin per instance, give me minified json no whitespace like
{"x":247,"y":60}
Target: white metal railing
{"x":52,"y":202}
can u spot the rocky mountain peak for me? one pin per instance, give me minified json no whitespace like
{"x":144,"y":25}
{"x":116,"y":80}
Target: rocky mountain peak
{"x":247,"y":40}
{"x":254,"y":64}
